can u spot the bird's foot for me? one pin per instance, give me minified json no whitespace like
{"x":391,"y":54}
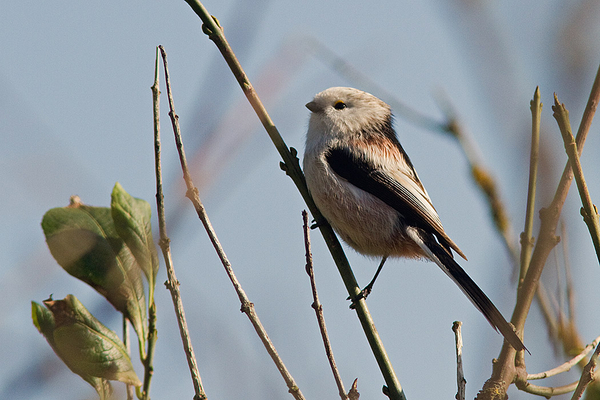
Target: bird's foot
{"x":362,"y":295}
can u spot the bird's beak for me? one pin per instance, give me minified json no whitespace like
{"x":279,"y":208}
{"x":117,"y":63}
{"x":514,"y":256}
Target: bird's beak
{"x":312,"y":106}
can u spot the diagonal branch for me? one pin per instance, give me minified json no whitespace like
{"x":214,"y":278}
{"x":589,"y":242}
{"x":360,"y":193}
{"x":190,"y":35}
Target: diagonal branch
{"x":589,"y":211}
{"x":292,"y":167}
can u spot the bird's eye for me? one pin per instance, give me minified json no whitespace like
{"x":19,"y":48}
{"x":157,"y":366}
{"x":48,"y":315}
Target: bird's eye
{"x":339,"y":105}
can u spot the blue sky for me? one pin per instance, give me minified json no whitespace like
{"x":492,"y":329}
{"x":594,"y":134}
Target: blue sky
{"x":77,"y":117}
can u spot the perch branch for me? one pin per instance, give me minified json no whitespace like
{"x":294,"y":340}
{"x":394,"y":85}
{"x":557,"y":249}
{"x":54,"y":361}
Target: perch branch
{"x":292,"y":167}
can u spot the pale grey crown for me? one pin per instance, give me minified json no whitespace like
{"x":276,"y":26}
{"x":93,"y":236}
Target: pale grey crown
{"x":342,"y":111}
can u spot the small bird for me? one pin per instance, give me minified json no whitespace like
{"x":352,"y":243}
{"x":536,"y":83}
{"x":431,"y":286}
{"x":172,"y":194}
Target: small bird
{"x":364,"y":184}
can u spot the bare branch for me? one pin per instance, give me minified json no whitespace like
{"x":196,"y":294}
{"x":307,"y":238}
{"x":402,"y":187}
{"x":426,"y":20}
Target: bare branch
{"x":460,"y":376}
{"x":589,"y":211}
{"x":172,"y":283}
{"x":318,"y":307}
{"x":566,"y":366}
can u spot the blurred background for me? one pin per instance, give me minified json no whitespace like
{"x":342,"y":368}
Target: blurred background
{"x":76,"y":117}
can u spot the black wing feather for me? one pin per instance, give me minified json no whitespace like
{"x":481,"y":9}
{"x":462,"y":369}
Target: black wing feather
{"x":357,"y":170}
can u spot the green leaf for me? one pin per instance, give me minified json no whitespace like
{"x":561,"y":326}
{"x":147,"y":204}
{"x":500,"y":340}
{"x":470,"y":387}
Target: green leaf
{"x":43,"y":321}
{"x":84,"y":241}
{"x":85,"y":345}
{"x":131,"y":217}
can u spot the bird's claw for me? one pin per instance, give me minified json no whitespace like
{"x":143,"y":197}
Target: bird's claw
{"x":362,"y":295}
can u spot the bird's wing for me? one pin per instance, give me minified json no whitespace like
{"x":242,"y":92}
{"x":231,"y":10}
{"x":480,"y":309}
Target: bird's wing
{"x":399,"y":189}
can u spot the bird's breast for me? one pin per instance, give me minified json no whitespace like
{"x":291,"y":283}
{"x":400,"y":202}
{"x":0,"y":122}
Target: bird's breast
{"x":362,"y":220}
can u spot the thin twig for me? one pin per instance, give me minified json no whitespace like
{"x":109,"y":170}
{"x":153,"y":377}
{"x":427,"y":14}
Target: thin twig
{"x":149,"y":361}
{"x":318,"y":307}
{"x":589,"y":211}
{"x":461,"y":382}
{"x":587,"y":375}
{"x":172,"y":284}
{"x":504,"y":370}
{"x":566,"y":366}
{"x":291,"y":165}
{"x":129,"y":389}
{"x":192,"y":194}
{"x":548,"y":392}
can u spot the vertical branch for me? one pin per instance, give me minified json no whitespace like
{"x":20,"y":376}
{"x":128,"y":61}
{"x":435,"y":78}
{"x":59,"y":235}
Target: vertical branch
{"x":527,"y":240}
{"x":192,"y":194}
{"x":127,"y":343}
{"x":172,"y":283}
{"x":292,"y":167}
{"x":460,"y":376}
{"x":316,"y":305}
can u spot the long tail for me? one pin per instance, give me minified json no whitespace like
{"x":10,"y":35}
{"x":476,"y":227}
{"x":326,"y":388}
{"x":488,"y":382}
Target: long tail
{"x":445,"y":261}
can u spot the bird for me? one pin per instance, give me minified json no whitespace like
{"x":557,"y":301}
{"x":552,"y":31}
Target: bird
{"x":366,"y":187}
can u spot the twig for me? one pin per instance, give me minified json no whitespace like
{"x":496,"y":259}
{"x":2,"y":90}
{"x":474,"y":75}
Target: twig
{"x":291,"y":166}
{"x":589,"y":211}
{"x":172,"y":283}
{"x":504,"y":370}
{"x":129,"y":389}
{"x":247,"y":306}
{"x":527,"y":240}
{"x":587,"y":375}
{"x":460,"y":376}
{"x":353,"y":393}
{"x":318,"y":307}
{"x":548,"y":392}
{"x":149,"y":361}
{"x":566,"y":366}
